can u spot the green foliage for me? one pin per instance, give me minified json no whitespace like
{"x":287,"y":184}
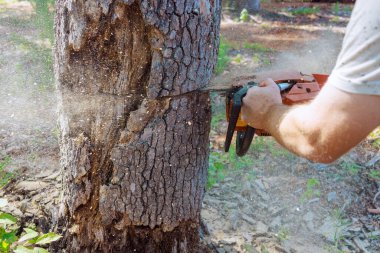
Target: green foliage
{"x":256,"y":58}
{"x":335,"y":8}
{"x":347,"y":9}
{"x":277,"y":150}
{"x":238,"y":58}
{"x":374,"y":138}
{"x":283,"y":234}
{"x":257,"y":47}
{"x":244,"y":15}
{"x":259,"y":144}
{"x":37,"y":54}
{"x":223,"y":58}
{"x":27,"y":243}
{"x":217,"y":118}
{"x":351,"y":168}
{"x":238,"y":162}
{"x":266,"y":62}
{"x":216,"y":169}
{"x":218,"y":110}
{"x":36,"y":64}
{"x":341,"y":224}
{"x":335,"y":19}
{"x":312,"y":189}
{"x":5,"y":176}
{"x":305,"y":11}
{"x":263,"y":143}
{"x":264,"y":249}
{"x":248,"y":248}
{"x":375,"y":174}
{"x":218,"y":165}
{"x":44,"y":18}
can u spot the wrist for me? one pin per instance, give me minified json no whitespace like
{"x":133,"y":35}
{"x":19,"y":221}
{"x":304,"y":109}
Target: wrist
{"x":273,"y":117}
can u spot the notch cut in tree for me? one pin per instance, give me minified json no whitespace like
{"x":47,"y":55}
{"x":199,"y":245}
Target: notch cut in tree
{"x":134,"y":126}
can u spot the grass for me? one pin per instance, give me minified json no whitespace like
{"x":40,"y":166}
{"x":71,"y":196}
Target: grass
{"x":266,"y":62}
{"x":256,"y":58}
{"x":283,"y":234}
{"x":375,"y":174}
{"x":278,"y":151}
{"x":238,"y":58}
{"x":249,"y":248}
{"x":223,"y":58}
{"x":374,"y":138}
{"x":216,"y":169}
{"x":244,"y":15}
{"x":350,"y":168}
{"x":221,"y":163}
{"x":335,"y":8}
{"x":304,"y":11}
{"x":44,"y":19}
{"x":264,"y":249}
{"x":217,"y":118}
{"x":257,"y":47}
{"x":5,"y":176}
{"x":7,"y":1}
{"x":340,"y":225}
{"x":37,"y":58}
{"x":36,"y":55}
{"x":312,"y":189}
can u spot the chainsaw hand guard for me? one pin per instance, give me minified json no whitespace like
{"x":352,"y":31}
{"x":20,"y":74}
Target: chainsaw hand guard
{"x":245,"y":136}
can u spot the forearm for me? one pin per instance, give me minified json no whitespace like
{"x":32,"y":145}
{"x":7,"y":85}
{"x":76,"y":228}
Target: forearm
{"x":326,"y":128}
{"x":293,"y":128}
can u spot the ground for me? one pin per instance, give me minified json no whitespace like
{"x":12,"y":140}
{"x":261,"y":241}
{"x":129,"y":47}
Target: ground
{"x":267,"y":201}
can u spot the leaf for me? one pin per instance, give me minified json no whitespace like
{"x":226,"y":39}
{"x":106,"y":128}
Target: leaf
{"x":10,"y":237}
{"x":3,"y":202}
{"x":22,"y":249}
{"x":4,"y":245}
{"x":6,"y":218}
{"x":47,"y":238}
{"x":30,"y":234}
{"x":39,"y":250}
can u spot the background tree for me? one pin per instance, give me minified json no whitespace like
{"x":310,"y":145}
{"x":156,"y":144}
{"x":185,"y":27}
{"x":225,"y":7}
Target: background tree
{"x":134,"y":127}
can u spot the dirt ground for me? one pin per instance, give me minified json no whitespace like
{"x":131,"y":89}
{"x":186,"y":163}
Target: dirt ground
{"x":267,"y":201}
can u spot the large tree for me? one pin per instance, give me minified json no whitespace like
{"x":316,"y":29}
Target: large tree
{"x":134,"y":125}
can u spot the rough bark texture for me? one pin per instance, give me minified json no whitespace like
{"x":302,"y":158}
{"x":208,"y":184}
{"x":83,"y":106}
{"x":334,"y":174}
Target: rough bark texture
{"x":134,"y":127}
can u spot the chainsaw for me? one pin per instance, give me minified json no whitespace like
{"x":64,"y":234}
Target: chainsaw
{"x":295,"y":88}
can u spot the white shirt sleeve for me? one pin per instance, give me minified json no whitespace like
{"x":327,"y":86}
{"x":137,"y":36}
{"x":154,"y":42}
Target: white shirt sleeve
{"x":357,"y":69}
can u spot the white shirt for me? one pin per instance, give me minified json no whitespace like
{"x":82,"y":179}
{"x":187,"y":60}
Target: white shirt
{"x":357,"y":69}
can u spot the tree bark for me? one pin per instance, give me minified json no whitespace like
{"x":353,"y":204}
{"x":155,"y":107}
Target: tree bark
{"x":134,"y":125}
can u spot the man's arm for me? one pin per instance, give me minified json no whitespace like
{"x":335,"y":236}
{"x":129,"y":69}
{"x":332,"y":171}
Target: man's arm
{"x":323,"y":130}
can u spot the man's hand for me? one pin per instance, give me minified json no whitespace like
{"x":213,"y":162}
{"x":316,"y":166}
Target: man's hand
{"x":258,"y":102}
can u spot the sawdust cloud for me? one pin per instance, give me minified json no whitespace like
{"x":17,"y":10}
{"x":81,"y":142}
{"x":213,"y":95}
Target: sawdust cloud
{"x":316,"y":56}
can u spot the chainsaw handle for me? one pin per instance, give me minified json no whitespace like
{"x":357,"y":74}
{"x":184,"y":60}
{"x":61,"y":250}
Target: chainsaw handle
{"x":234,"y":116}
{"x":243,"y":140}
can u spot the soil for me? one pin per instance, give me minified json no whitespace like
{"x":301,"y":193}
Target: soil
{"x":268,"y":201}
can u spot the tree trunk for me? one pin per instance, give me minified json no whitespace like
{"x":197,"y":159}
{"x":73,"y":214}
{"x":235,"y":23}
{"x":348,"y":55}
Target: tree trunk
{"x":134,"y":125}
